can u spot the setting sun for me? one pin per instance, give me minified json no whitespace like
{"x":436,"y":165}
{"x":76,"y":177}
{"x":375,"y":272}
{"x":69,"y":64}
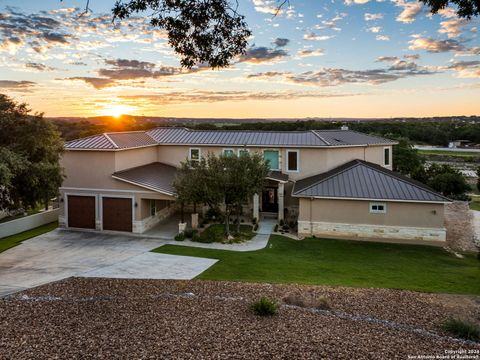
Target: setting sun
{"x":117,"y":110}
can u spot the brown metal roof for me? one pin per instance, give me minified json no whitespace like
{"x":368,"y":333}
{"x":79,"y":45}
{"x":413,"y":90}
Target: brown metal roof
{"x":360,"y":179}
{"x":183,"y":136}
{"x":277,"y":176}
{"x":154,"y":176}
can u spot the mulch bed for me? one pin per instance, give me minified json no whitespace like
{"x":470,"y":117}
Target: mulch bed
{"x":150,"y":319}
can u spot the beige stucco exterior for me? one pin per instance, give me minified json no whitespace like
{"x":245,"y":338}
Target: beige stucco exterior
{"x":352,"y":218}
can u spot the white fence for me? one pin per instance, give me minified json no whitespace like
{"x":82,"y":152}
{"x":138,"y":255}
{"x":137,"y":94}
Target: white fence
{"x":28,"y":222}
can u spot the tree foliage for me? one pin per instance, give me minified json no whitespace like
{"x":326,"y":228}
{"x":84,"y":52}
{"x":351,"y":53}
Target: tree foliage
{"x":230,"y":181}
{"x":30,"y":149}
{"x":465,"y":8}
{"x":443,"y":178}
{"x":406,"y":158}
{"x":200,"y":31}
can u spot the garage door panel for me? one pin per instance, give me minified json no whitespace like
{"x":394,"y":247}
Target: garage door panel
{"x":117,"y":214}
{"x":81,"y":211}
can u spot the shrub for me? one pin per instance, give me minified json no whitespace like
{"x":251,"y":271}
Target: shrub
{"x":196,"y":237}
{"x":242,"y":220}
{"x":321,"y":302}
{"x":180,"y":237}
{"x":255,"y":227}
{"x":254,"y":220}
{"x":462,"y":329}
{"x":189,"y":233}
{"x":291,"y":224}
{"x":265,"y":307}
{"x":285,"y":227}
{"x":275,"y":228}
{"x":281,"y":222}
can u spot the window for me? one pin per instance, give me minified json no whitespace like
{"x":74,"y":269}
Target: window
{"x":292,"y":160}
{"x":271,"y":158}
{"x":386,"y":156}
{"x":378,"y":208}
{"x":153,"y":208}
{"x":194,"y":154}
{"x":228,"y":152}
{"x":243,"y":152}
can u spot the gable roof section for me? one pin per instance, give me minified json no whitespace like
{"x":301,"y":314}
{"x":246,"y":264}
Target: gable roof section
{"x":154,"y":176}
{"x":359,"y":179}
{"x":112,"y":141}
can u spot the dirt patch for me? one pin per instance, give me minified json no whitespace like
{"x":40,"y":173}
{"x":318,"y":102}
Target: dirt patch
{"x":460,"y":226}
{"x":113,"y":318}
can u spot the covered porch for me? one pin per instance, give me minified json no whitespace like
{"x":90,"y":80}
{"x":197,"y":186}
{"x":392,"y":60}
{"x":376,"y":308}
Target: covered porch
{"x":271,"y":202}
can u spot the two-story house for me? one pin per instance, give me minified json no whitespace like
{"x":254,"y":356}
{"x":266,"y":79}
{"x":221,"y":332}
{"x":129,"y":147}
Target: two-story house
{"x":336,"y":183}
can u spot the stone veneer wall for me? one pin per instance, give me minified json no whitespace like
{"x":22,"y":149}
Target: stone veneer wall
{"x":353,"y":231}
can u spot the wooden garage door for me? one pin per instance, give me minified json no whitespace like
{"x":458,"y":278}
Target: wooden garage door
{"x":81,"y":211}
{"x":117,"y":214}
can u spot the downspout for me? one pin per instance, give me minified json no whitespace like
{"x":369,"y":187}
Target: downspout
{"x":311,"y":217}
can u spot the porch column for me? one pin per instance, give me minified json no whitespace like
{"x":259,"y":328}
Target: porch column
{"x":281,"y":206}
{"x":256,"y":207}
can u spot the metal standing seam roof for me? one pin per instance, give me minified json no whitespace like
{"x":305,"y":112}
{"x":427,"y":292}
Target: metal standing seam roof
{"x":184,"y":136}
{"x":112,"y":141}
{"x":359,"y":179}
{"x":154,"y":176}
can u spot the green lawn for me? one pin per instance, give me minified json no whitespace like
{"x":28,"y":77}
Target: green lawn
{"x":341,"y":262}
{"x":450,"y":153}
{"x":475,"y":203}
{"x":14,"y":240}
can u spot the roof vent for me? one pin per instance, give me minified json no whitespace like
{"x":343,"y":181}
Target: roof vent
{"x":344,"y":127}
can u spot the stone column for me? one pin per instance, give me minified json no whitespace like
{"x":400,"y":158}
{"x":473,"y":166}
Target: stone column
{"x":256,"y":212}
{"x":281,"y":205}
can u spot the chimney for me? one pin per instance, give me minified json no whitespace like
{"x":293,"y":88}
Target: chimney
{"x":344,"y":127}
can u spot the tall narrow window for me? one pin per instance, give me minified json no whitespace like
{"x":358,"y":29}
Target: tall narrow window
{"x":386,"y":156}
{"x":292,"y":160}
{"x":194,"y":154}
{"x":271,"y":158}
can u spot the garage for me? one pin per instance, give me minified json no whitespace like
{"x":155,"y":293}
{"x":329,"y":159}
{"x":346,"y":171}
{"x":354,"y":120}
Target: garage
{"x":81,"y":211}
{"x":117,"y":214}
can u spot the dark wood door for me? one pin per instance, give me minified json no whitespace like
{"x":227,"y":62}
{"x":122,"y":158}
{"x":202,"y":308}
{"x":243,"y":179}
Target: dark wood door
{"x":117,"y":214}
{"x":81,"y":211}
{"x":270,"y":199}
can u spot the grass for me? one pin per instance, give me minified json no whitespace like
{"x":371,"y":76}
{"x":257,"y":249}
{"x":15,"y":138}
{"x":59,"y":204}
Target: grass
{"x":342,"y":262}
{"x":215,"y":233}
{"x":450,"y":153}
{"x":14,"y":240}
{"x":475,"y":203}
{"x":462,"y":329}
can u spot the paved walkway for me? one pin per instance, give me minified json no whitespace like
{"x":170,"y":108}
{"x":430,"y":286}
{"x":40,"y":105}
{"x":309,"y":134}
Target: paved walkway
{"x":258,"y":242}
{"x":61,"y":254}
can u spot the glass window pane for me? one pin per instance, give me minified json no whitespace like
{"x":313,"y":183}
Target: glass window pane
{"x":386,"y":155}
{"x":242,"y":152}
{"x":271,"y":157}
{"x":228,"y":152}
{"x":194,"y":154}
{"x":292,"y":161}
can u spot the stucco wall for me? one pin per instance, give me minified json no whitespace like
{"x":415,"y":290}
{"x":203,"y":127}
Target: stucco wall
{"x":126,"y":159}
{"x":357,"y":212}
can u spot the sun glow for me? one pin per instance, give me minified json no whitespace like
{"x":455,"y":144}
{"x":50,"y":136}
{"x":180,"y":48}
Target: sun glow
{"x":117,"y":110}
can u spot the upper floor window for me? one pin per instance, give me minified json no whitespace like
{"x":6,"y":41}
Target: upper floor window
{"x":378,"y":208}
{"x":386,"y":156}
{"x":293,"y":160}
{"x":194,"y":154}
{"x":243,"y":152}
{"x":228,"y":152}
{"x":271,"y":158}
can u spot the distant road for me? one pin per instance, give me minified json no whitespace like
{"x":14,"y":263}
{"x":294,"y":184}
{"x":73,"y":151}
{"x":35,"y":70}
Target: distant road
{"x":434,"y":148}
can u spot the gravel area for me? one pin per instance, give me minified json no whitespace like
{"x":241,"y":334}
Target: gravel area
{"x":118,"y":318}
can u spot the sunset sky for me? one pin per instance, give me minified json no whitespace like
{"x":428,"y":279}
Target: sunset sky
{"x":348,"y":58}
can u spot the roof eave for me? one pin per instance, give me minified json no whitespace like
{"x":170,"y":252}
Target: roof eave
{"x":144,"y":186}
{"x":371,"y":199}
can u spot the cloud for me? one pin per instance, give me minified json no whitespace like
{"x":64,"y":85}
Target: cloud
{"x":315,"y":37}
{"x":387,"y":58}
{"x":265,"y":75}
{"x":266,"y":6}
{"x":281,"y":42}
{"x":310,"y":53}
{"x":375,"y":29}
{"x":38,"y":67}
{"x":261,"y":54}
{"x":331,"y":23}
{"x":466,"y":69}
{"x":350,"y":2}
{"x":372,"y":17}
{"x":409,"y":12}
{"x":412,"y":57}
{"x":202,"y":96}
{"x":97,"y":83}
{"x":382,"y":38}
{"x":453,"y":27}
{"x":434,"y":46}
{"x":20,"y":86}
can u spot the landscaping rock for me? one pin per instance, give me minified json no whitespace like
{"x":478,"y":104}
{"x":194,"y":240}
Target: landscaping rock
{"x":113,"y":318}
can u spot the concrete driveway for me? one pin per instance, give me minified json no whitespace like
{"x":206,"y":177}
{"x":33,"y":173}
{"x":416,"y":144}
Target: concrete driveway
{"x":61,"y":254}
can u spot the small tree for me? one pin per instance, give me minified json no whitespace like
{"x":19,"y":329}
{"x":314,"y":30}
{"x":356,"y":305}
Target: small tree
{"x":446,"y":180}
{"x":407,"y":159}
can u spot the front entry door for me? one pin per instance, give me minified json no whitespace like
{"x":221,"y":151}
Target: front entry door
{"x":270,"y":199}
